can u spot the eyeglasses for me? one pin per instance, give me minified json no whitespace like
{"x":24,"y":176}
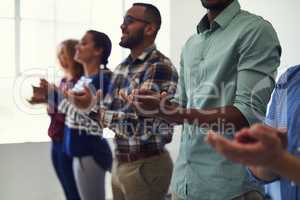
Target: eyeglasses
{"x":129,"y":20}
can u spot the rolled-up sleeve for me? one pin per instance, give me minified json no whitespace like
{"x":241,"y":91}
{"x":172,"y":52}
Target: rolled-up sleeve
{"x":259,"y":57}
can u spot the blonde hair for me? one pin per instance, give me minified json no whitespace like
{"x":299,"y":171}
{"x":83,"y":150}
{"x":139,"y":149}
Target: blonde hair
{"x":70,"y":47}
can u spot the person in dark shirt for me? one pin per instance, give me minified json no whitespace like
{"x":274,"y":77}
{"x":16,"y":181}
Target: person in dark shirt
{"x":91,"y":153}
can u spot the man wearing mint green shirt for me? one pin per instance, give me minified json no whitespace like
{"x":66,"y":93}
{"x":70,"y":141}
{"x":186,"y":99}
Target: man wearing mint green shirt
{"x":227,"y":72}
{"x":226,"y":79}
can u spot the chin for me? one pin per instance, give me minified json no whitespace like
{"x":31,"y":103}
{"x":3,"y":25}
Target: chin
{"x":123,"y":44}
{"x":77,"y":59}
{"x":215,"y":4}
{"x":209,"y":3}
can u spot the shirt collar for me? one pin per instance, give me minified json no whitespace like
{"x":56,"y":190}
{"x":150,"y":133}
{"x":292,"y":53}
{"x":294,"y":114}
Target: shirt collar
{"x":223,"y":19}
{"x":141,"y":57}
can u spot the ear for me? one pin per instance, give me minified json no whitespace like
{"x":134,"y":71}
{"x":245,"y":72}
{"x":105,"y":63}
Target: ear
{"x":98,"y":52}
{"x":150,"y":29}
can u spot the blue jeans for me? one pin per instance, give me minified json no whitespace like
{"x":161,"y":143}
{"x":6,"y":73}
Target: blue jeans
{"x":63,"y":165}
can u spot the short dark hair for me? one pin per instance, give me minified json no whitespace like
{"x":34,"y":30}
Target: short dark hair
{"x":152,"y":13}
{"x":101,"y":40}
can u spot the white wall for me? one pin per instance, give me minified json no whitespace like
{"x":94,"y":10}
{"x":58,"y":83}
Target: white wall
{"x":284,"y":16}
{"x":185,"y":15}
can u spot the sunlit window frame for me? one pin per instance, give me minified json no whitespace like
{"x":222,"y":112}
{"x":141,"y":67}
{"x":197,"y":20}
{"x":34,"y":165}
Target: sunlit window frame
{"x":17,"y":19}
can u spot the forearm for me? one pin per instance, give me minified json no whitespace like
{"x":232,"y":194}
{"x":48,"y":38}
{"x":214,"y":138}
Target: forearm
{"x":263,"y":173}
{"x":222,"y":116}
{"x":288,"y":166}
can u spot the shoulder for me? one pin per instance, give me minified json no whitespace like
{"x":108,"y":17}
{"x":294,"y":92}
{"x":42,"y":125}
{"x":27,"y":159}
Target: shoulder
{"x":62,"y":81}
{"x":191,"y":40}
{"x":288,"y":76}
{"x":157,"y":58}
{"x":249,"y":18}
{"x":249,"y":22}
{"x":158,"y":63}
{"x":106,"y":73}
{"x":120,"y":69}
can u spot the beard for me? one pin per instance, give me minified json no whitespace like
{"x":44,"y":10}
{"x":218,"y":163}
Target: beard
{"x":218,"y":5}
{"x":133,"y":40}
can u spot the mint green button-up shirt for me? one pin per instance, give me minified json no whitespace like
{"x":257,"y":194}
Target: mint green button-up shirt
{"x":233,"y":61}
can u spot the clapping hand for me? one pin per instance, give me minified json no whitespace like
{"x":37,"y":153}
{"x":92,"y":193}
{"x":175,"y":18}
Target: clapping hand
{"x":144,"y":102}
{"x":259,"y":145}
{"x":40,"y":93}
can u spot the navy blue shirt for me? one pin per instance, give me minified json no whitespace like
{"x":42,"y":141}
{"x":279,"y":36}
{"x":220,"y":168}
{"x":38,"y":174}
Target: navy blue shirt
{"x":78,"y":140}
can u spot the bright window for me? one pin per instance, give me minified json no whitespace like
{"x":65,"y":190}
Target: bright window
{"x":7,"y":8}
{"x":30,"y":33}
{"x":7,"y":48}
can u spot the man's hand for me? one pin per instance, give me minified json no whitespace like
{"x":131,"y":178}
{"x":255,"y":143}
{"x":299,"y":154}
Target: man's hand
{"x":144,"y":102}
{"x":259,"y":145}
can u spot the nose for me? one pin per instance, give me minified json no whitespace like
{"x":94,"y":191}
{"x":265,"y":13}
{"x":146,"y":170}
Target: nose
{"x":122,"y":26}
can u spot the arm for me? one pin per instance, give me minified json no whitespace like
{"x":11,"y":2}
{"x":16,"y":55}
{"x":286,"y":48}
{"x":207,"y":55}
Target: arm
{"x":259,"y":55}
{"x":231,"y":116}
{"x":263,"y":174}
{"x":46,"y":93}
{"x":262,"y":148}
{"x":289,"y":167}
{"x":159,"y":76}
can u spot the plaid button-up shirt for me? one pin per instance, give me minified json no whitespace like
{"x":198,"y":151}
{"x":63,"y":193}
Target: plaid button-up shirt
{"x":153,"y":71}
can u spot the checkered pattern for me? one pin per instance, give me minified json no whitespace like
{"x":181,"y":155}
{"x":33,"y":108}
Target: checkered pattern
{"x":151,"y":70}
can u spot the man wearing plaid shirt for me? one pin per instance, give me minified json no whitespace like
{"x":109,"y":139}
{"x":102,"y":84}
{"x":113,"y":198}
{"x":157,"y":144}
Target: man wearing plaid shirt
{"x":142,"y":166}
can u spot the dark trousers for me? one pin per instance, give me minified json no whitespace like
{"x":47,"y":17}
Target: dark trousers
{"x":63,"y":165}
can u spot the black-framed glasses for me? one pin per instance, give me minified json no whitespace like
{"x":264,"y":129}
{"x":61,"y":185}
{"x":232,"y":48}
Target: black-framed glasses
{"x":130,"y":19}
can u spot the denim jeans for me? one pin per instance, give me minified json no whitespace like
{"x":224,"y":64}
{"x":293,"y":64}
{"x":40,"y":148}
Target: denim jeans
{"x":63,"y":166}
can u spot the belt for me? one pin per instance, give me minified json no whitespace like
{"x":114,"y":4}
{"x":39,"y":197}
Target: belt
{"x":131,"y":157}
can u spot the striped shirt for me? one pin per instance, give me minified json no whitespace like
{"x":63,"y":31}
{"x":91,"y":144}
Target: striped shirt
{"x":284,"y":112}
